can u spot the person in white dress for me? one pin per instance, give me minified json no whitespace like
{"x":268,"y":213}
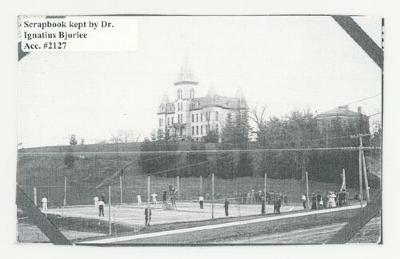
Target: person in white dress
{"x":154,"y":198}
{"x":139,"y":199}
{"x":331,"y":201}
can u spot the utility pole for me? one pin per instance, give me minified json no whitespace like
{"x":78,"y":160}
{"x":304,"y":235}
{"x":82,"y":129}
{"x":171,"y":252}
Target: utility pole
{"x":360,"y":164}
{"x":365,"y":176}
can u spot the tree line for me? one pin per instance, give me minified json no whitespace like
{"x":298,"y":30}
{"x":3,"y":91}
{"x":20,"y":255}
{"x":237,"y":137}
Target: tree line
{"x":299,"y":129}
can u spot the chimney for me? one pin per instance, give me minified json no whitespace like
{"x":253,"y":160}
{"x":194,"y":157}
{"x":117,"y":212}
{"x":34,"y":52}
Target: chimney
{"x":359,"y":110}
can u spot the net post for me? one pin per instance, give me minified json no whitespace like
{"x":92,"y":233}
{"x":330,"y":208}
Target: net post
{"x":212,"y":195}
{"x":109,"y":210}
{"x":35,"y":195}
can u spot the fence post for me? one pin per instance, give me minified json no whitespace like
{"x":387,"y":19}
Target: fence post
{"x":65,"y":191}
{"x":120,"y":188}
{"x":35,"y":196}
{"x":265,"y":186}
{"x":109,"y":210}
{"x":201,"y":185}
{"x":212,"y":195}
{"x":178,"y":187}
{"x":148,"y":188}
{"x":307,"y":191}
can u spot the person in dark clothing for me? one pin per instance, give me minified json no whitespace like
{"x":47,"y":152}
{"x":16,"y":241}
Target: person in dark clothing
{"x":164,"y":196}
{"x":102,"y":198}
{"x":101,"y":208}
{"x":319,"y":197}
{"x":278,"y":207}
{"x":341,"y":198}
{"x":226,"y":206}
{"x":263,"y":207}
{"x":147,"y":216}
{"x":314,"y":202}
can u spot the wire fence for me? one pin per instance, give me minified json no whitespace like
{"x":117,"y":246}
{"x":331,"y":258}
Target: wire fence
{"x":70,"y":196}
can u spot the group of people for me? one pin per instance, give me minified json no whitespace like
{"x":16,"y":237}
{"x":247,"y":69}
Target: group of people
{"x":331,"y":199}
{"x":257,"y":197}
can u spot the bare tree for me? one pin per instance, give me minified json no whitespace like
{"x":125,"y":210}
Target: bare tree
{"x":258,"y":116}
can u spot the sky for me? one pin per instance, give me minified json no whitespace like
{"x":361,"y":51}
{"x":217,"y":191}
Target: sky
{"x":283,"y":63}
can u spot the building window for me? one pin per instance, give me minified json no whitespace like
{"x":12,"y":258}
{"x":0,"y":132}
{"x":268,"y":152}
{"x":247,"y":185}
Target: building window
{"x":197,"y":130}
{"x":160,"y":122}
{"x":201,"y":117}
{"x":201,"y":130}
{"x":172,"y":120}
{"x":192,"y":117}
{"x":179,"y":93}
{"x":168,"y":121}
{"x":192,"y":130}
{"x":216,"y":116}
{"x":197,"y":117}
{"x":217,"y":129}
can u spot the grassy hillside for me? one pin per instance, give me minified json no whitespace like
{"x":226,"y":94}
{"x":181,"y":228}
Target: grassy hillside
{"x":46,"y":172}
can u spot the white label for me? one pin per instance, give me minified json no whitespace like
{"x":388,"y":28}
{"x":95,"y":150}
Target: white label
{"x":78,"y":33}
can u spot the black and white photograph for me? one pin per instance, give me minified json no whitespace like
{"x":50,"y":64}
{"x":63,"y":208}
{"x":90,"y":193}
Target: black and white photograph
{"x":199,"y":130}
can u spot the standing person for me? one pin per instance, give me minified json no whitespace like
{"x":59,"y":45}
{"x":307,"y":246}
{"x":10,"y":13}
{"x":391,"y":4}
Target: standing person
{"x":304,"y":200}
{"x":147,"y":216}
{"x":96,"y":201}
{"x":278,"y":207}
{"x":314,"y":202}
{"x":44,"y":203}
{"x":154,"y":198}
{"x":102,"y":197}
{"x":201,"y":201}
{"x":226,"y":206}
{"x":331,"y":201}
{"x":275,"y":205}
{"x":139,"y":200}
{"x":101,"y":208}
{"x":164,"y":197}
{"x":263,"y":207}
{"x":319,"y":198}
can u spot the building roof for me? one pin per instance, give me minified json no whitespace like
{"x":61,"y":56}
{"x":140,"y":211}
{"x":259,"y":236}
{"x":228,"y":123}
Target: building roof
{"x":341,"y":111}
{"x":218,"y":101}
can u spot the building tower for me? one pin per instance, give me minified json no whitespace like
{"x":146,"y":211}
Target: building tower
{"x":185,"y":89}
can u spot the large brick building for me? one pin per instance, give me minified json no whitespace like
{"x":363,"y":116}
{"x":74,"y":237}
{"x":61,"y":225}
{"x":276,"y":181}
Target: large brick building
{"x":188,"y":117}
